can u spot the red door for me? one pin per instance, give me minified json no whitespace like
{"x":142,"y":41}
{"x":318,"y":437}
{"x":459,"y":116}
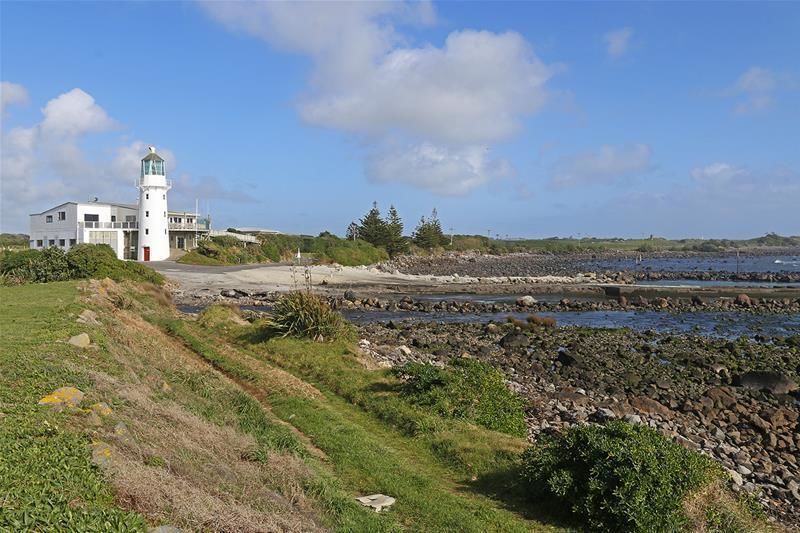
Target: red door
{"x":147,"y":253}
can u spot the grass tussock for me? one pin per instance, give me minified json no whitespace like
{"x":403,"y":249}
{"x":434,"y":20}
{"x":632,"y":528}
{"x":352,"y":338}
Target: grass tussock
{"x":304,"y":314}
{"x":532,"y":322}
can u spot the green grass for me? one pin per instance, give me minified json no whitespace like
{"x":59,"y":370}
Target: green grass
{"x":47,"y":479}
{"x":441,"y":471}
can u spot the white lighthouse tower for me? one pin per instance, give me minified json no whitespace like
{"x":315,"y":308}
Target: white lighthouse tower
{"x":153,"y":222}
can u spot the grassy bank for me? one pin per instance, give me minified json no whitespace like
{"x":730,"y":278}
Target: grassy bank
{"x":207,"y":424}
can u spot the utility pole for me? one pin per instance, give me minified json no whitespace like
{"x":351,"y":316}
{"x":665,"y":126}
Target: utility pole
{"x":489,"y":234}
{"x":451,"y":237}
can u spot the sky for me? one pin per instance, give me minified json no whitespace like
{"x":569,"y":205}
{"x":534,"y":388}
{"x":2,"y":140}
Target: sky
{"x":521,"y":119}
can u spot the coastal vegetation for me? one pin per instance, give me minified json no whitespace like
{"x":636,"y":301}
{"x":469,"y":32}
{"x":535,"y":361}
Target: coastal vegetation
{"x":212,"y":422}
{"x":82,"y":261}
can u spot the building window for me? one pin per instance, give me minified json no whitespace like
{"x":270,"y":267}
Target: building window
{"x":39,"y":243}
{"x":147,"y":213}
{"x":147,"y":196}
{"x":62,"y":242}
{"x":88,"y":217}
{"x":48,"y":218}
{"x":165,"y":213}
{"x":51,"y":242}
{"x":147,"y":231}
{"x":163,"y":196}
{"x":130,"y":218}
{"x":165,"y":231}
{"x":72,"y":242}
{"x":62,"y":215}
{"x":113,"y":218}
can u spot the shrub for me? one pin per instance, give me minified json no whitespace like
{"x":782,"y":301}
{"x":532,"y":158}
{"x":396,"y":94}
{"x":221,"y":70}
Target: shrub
{"x":470,"y":390}
{"x":544,"y":321}
{"x":306,"y":315}
{"x":617,"y":477}
{"x":35,"y":266}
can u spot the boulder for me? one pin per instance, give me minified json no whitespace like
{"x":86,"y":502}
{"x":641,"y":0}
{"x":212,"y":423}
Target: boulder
{"x":89,"y":317}
{"x":80,"y":340}
{"x":526,"y":301}
{"x":378,"y":502}
{"x":63,"y":397}
{"x":514,"y":340}
{"x":768,"y":381}
{"x":744,"y":300}
{"x":649,"y":406}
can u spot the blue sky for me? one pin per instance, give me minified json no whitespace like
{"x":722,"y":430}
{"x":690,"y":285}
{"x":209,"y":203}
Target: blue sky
{"x":529,"y":119}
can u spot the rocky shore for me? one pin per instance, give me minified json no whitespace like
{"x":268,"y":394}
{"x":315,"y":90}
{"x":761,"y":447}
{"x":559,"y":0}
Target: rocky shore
{"x":735,"y":401}
{"x":525,"y":303}
{"x":536,"y":265}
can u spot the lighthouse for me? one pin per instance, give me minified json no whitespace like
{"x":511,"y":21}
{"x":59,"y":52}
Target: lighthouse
{"x":153,"y":222}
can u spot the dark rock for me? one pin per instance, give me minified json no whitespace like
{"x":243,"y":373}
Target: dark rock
{"x":350,"y":296}
{"x":768,"y":381}
{"x":514,"y":340}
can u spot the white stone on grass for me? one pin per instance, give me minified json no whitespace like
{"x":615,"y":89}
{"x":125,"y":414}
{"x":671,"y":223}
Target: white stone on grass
{"x":378,"y":502}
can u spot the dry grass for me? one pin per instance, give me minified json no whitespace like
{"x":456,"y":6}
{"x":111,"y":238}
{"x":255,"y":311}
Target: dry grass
{"x":170,"y":463}
{"x":543,"y":321}
{"x":714,"y":509}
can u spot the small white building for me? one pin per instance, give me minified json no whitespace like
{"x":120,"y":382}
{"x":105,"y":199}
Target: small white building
{"x":147,"y":231}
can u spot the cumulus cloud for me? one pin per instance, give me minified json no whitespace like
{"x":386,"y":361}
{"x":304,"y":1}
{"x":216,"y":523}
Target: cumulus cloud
{"x":441,"y":170}
{"x":45,"y":164}
{"x":12,"y":94}
{"x":601,"y":166}
{"x":755,"y":90}
{"x":449,"y":101}
{"x":617,"y":41}
{"x":716,"y":173}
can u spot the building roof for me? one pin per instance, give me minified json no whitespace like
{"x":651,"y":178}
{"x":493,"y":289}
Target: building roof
{"x":115,"y":204}
{"x":152,"y":156}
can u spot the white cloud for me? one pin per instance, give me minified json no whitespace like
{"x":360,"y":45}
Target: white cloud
{"x":12,"y":94}
{"x":603,"y":165}
{"x":73,"y":114}
{"x":367,"y":80}
{"x":716,"y":173}
{"x":756,"y":88}
{"x":438,"y":169}
{"x":617,"y":41}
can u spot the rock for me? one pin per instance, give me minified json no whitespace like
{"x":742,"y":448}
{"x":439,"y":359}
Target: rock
{"x":378,"y":502}
{"x":101,"y":453}
{"x":229,"y":293}
{"x":743,"y":300}
{"x":63,"y":397}
{"x":602,"y":415}
{"x":736,"y":477}
{"x":567,"y":359}
{"x":650,"y":406}
{"x":350,"y":296}
{"x":101,"y":409}
{"x":514,"y":340}
{"x":633,"y":419}
{"x":405,"y":350}
{"x":768,"y":381}
{"x":743,"y":470}
{"x":526,"y":301}
{"x":89,"y":317}
{"x":80,"y":340}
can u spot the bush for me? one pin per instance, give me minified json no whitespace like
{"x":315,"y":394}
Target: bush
{"x":306,"y":315}
{"x":468,"y":390}
{"x":82,"y":261}
{"x":617,"y":477}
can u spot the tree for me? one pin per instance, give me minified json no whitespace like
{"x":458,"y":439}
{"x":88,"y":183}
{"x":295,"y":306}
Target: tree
{"x":428,"y":233}
{"x":352,"y":232}
{"x":372,"y":228}
{"x":395,"y":242}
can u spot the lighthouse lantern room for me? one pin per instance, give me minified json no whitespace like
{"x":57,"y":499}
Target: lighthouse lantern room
{"x":153,"y":222}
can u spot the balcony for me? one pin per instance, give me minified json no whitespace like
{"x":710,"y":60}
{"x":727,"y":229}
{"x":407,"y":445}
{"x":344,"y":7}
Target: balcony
{"x":188,"y":226}
{"x":108,"y":225}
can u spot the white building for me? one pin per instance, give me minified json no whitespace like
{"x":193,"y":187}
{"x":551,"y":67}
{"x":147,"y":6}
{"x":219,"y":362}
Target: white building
{"x":147,"y":231}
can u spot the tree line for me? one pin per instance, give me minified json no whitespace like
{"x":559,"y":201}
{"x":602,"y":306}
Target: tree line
{"x":388,"y":232}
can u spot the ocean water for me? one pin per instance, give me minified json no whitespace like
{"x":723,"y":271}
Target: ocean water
{"x":731,"y":263}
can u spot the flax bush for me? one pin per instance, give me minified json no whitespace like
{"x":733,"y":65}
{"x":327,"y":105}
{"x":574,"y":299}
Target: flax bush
{"x":307,"y":315}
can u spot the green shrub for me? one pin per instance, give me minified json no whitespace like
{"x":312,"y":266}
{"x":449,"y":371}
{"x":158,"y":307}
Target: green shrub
{"x":307,"y":315}
{"x":617,"y":477}
{"x":35,"y":266}
{"x":469,"y":390}
{"x":82,"y":261}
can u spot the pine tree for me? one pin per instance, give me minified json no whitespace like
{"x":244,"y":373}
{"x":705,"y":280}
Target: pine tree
{"x":395,"y":242}
{"x":372,"y":228}
{"x":428,"y":233}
